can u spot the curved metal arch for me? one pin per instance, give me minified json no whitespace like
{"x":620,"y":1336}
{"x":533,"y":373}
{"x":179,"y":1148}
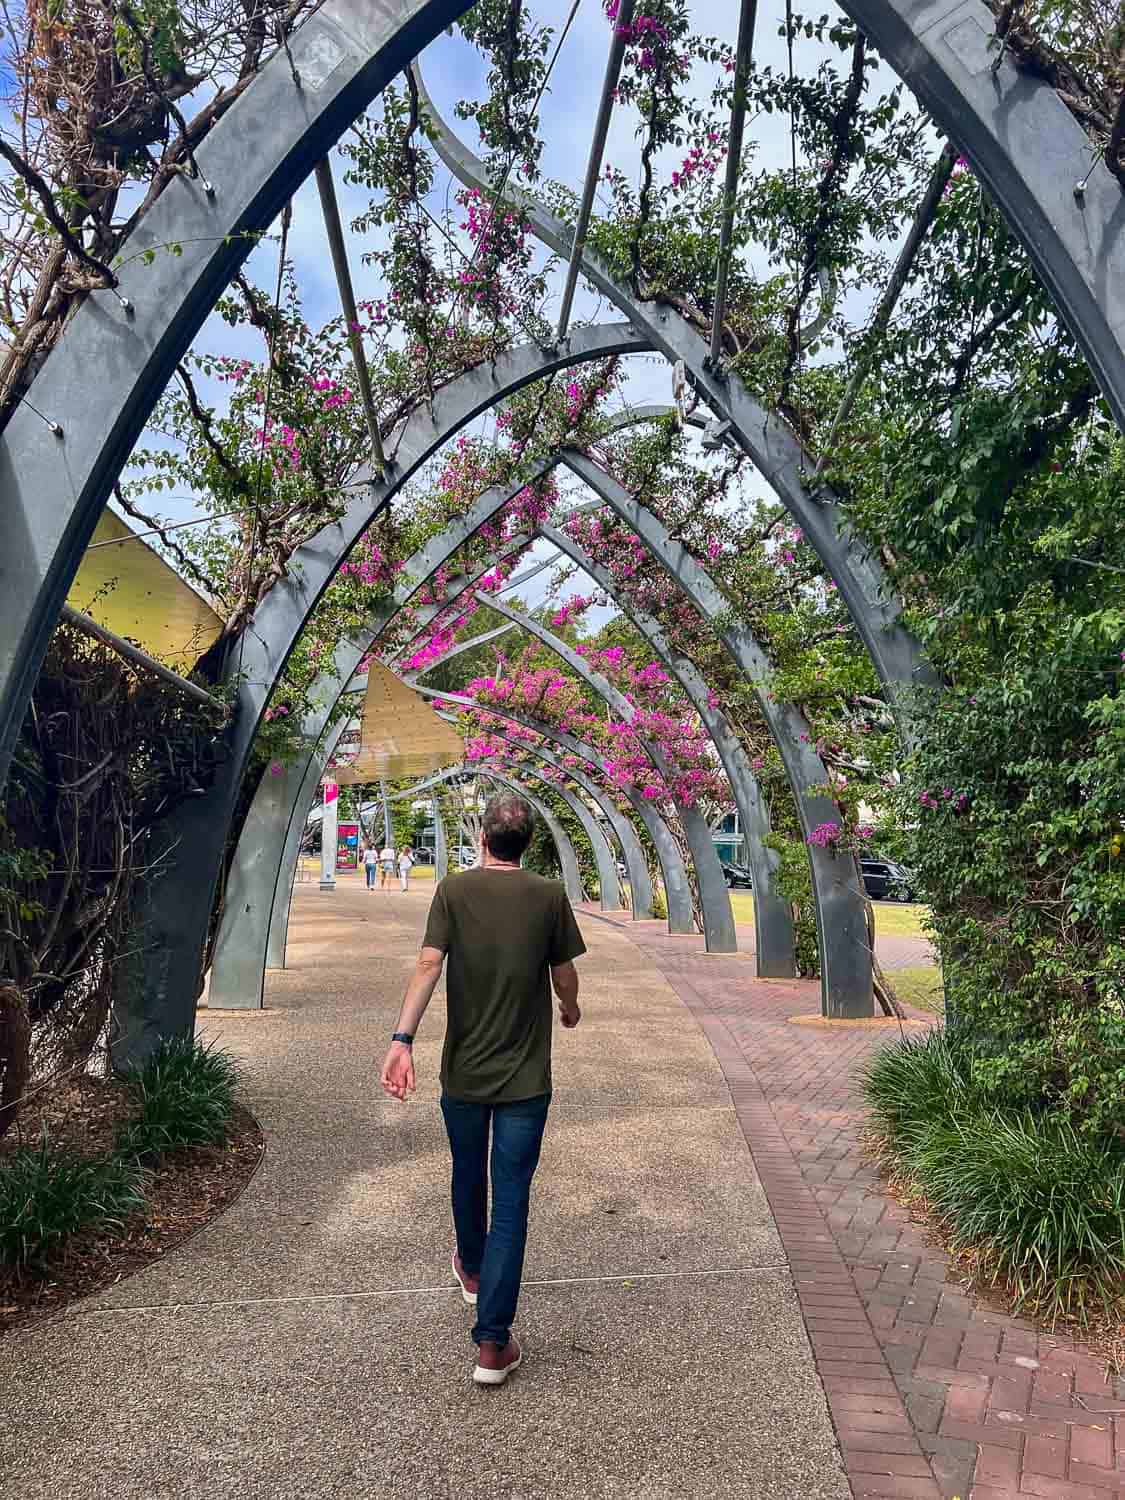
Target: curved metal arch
{"x":773,"y":923}
{"x":1031,"y":154}
{"x":609,"y":896}
{"x":241,"y":950}
{"x":234,"y":946}
{"x":636,"y":867}
{"x":105,"y":375}
{"x":599,"y":844}
{"x":441,"y":848}
{"x":677,"y":892}
{"x":776,"y":452}
{"x":845,"y":957}
{"x":572,"y":880}
{"x":156,"y":987}
{"x":718,"y":919}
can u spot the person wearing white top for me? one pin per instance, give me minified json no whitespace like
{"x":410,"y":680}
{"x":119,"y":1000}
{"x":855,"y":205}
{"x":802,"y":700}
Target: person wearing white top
{"x":370,"y":865}
{"x":405,"y":865}
{"x":386,"y":866}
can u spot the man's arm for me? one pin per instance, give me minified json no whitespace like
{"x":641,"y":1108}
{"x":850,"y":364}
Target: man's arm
{"x":398,"y":1065}
{"x":564,"y":977}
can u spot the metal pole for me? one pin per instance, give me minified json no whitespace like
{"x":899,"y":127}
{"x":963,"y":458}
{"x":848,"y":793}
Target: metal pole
{"x":594,"y":165}
{"x":331,"y":211}
{"x":926,"y":210}
{"x":141,"y":658}
{"x":387,"y":830}
{"x":747,"y":18}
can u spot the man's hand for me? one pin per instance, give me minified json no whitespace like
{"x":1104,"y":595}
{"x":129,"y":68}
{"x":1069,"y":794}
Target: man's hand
{"x":569,"y":1014}
{"x":398,"y":1071}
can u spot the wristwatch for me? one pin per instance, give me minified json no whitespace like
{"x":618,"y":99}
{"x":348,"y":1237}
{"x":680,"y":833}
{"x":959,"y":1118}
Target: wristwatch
{"x":404,"y":1037}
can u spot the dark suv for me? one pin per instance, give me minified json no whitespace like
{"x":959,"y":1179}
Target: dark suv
{"x":884,"y":880}
{"x":736,"y":875}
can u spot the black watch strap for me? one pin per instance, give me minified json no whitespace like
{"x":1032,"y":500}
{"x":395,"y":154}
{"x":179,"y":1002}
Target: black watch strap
{"x":404,"y":1037}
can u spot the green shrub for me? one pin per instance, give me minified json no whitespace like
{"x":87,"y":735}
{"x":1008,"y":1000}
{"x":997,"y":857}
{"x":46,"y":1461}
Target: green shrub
{"x":48,"y":1193}
{"x":184,"y":1095}
{"x":1042,"y":1202}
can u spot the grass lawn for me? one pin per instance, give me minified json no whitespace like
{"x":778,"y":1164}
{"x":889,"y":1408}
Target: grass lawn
{"x":892,"y":918}
{"x":919,"y":985}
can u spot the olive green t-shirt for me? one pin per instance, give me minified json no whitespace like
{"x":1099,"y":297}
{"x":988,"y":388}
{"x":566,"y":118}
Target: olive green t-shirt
{"x":502,"y":931}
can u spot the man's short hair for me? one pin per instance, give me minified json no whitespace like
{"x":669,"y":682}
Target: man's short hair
{"x":508,"y":825}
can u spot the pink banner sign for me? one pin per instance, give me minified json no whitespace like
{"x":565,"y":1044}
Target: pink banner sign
{"x":331,"y":791}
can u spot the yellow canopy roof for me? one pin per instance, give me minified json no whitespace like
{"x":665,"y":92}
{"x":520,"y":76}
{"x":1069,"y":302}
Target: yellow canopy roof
{"x":131,"y":590}
{"x":401,"y":735}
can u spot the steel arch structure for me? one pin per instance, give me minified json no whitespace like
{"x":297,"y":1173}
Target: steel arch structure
{"x":572,"y":880}
{"x":631,"y":852}
{"x":773,"y":923}
{"x":54,"y":488}
{"x":680,"y":919}
{"x":714,"y":898}
{"x":344,"y":56}
{"x":158,"y":983}
{"x":1014,"y":129}
{"x":845,"y":961}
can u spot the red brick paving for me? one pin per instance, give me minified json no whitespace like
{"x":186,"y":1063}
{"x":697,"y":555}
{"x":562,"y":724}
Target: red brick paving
{"x":933,"y":1394}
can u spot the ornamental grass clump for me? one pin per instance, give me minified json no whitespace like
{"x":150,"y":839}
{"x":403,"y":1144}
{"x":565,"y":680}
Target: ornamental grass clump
{"x":184,"y":1096}
{"x":48,"y":1193}
{"x":1039,"y":1204}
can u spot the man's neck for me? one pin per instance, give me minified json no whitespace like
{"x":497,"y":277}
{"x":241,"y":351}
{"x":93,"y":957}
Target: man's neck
{"x":492,"y":863}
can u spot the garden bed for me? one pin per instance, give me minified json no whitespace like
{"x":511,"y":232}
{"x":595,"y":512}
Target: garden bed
{"x":184,"y":1191}
{"x":1030,"y":1208}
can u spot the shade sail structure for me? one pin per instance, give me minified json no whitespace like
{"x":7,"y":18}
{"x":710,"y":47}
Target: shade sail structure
{"x":131,"y":590}
{"x":400,"y":734}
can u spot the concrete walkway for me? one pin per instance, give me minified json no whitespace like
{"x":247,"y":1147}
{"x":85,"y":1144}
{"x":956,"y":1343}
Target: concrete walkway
{"x":310,"y":1343}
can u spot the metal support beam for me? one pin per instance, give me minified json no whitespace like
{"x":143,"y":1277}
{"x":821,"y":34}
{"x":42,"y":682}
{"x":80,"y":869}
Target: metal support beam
{"x":906,"y":257}
{"x":441,"y":848}
{"x":139,"y":658}
{"x":746,"y":19}
{"x":467,"y":645}
{"x":331,"y":210}
{"x":621,"y":33}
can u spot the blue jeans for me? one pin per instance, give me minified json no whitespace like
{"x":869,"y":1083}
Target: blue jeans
{"x":496,"y":1257}
{"x":370,"y":871}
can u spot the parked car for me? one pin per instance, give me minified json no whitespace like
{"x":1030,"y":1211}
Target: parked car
{"x":736,"y":875}
{"x":885,"y":880}
{"x":423,"y":856}
{"x":466,"y":857}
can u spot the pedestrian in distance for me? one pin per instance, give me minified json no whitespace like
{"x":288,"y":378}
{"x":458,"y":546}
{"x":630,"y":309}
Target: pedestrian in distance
{"x":386,"y":865}
{"x":405,"y":865}
{"x":510,"y":937}
{"x":370,"y":865}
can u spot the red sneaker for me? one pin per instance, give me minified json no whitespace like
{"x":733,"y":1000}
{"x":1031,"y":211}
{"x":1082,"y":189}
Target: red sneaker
{"x":470,"y":1285}
{"x":494,"y":1364}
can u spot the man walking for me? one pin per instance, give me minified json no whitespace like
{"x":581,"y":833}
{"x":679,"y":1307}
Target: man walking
{"x":510,"y":936}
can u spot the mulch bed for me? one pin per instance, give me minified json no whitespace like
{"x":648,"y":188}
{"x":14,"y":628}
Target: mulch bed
{"x":185,"y":1192}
